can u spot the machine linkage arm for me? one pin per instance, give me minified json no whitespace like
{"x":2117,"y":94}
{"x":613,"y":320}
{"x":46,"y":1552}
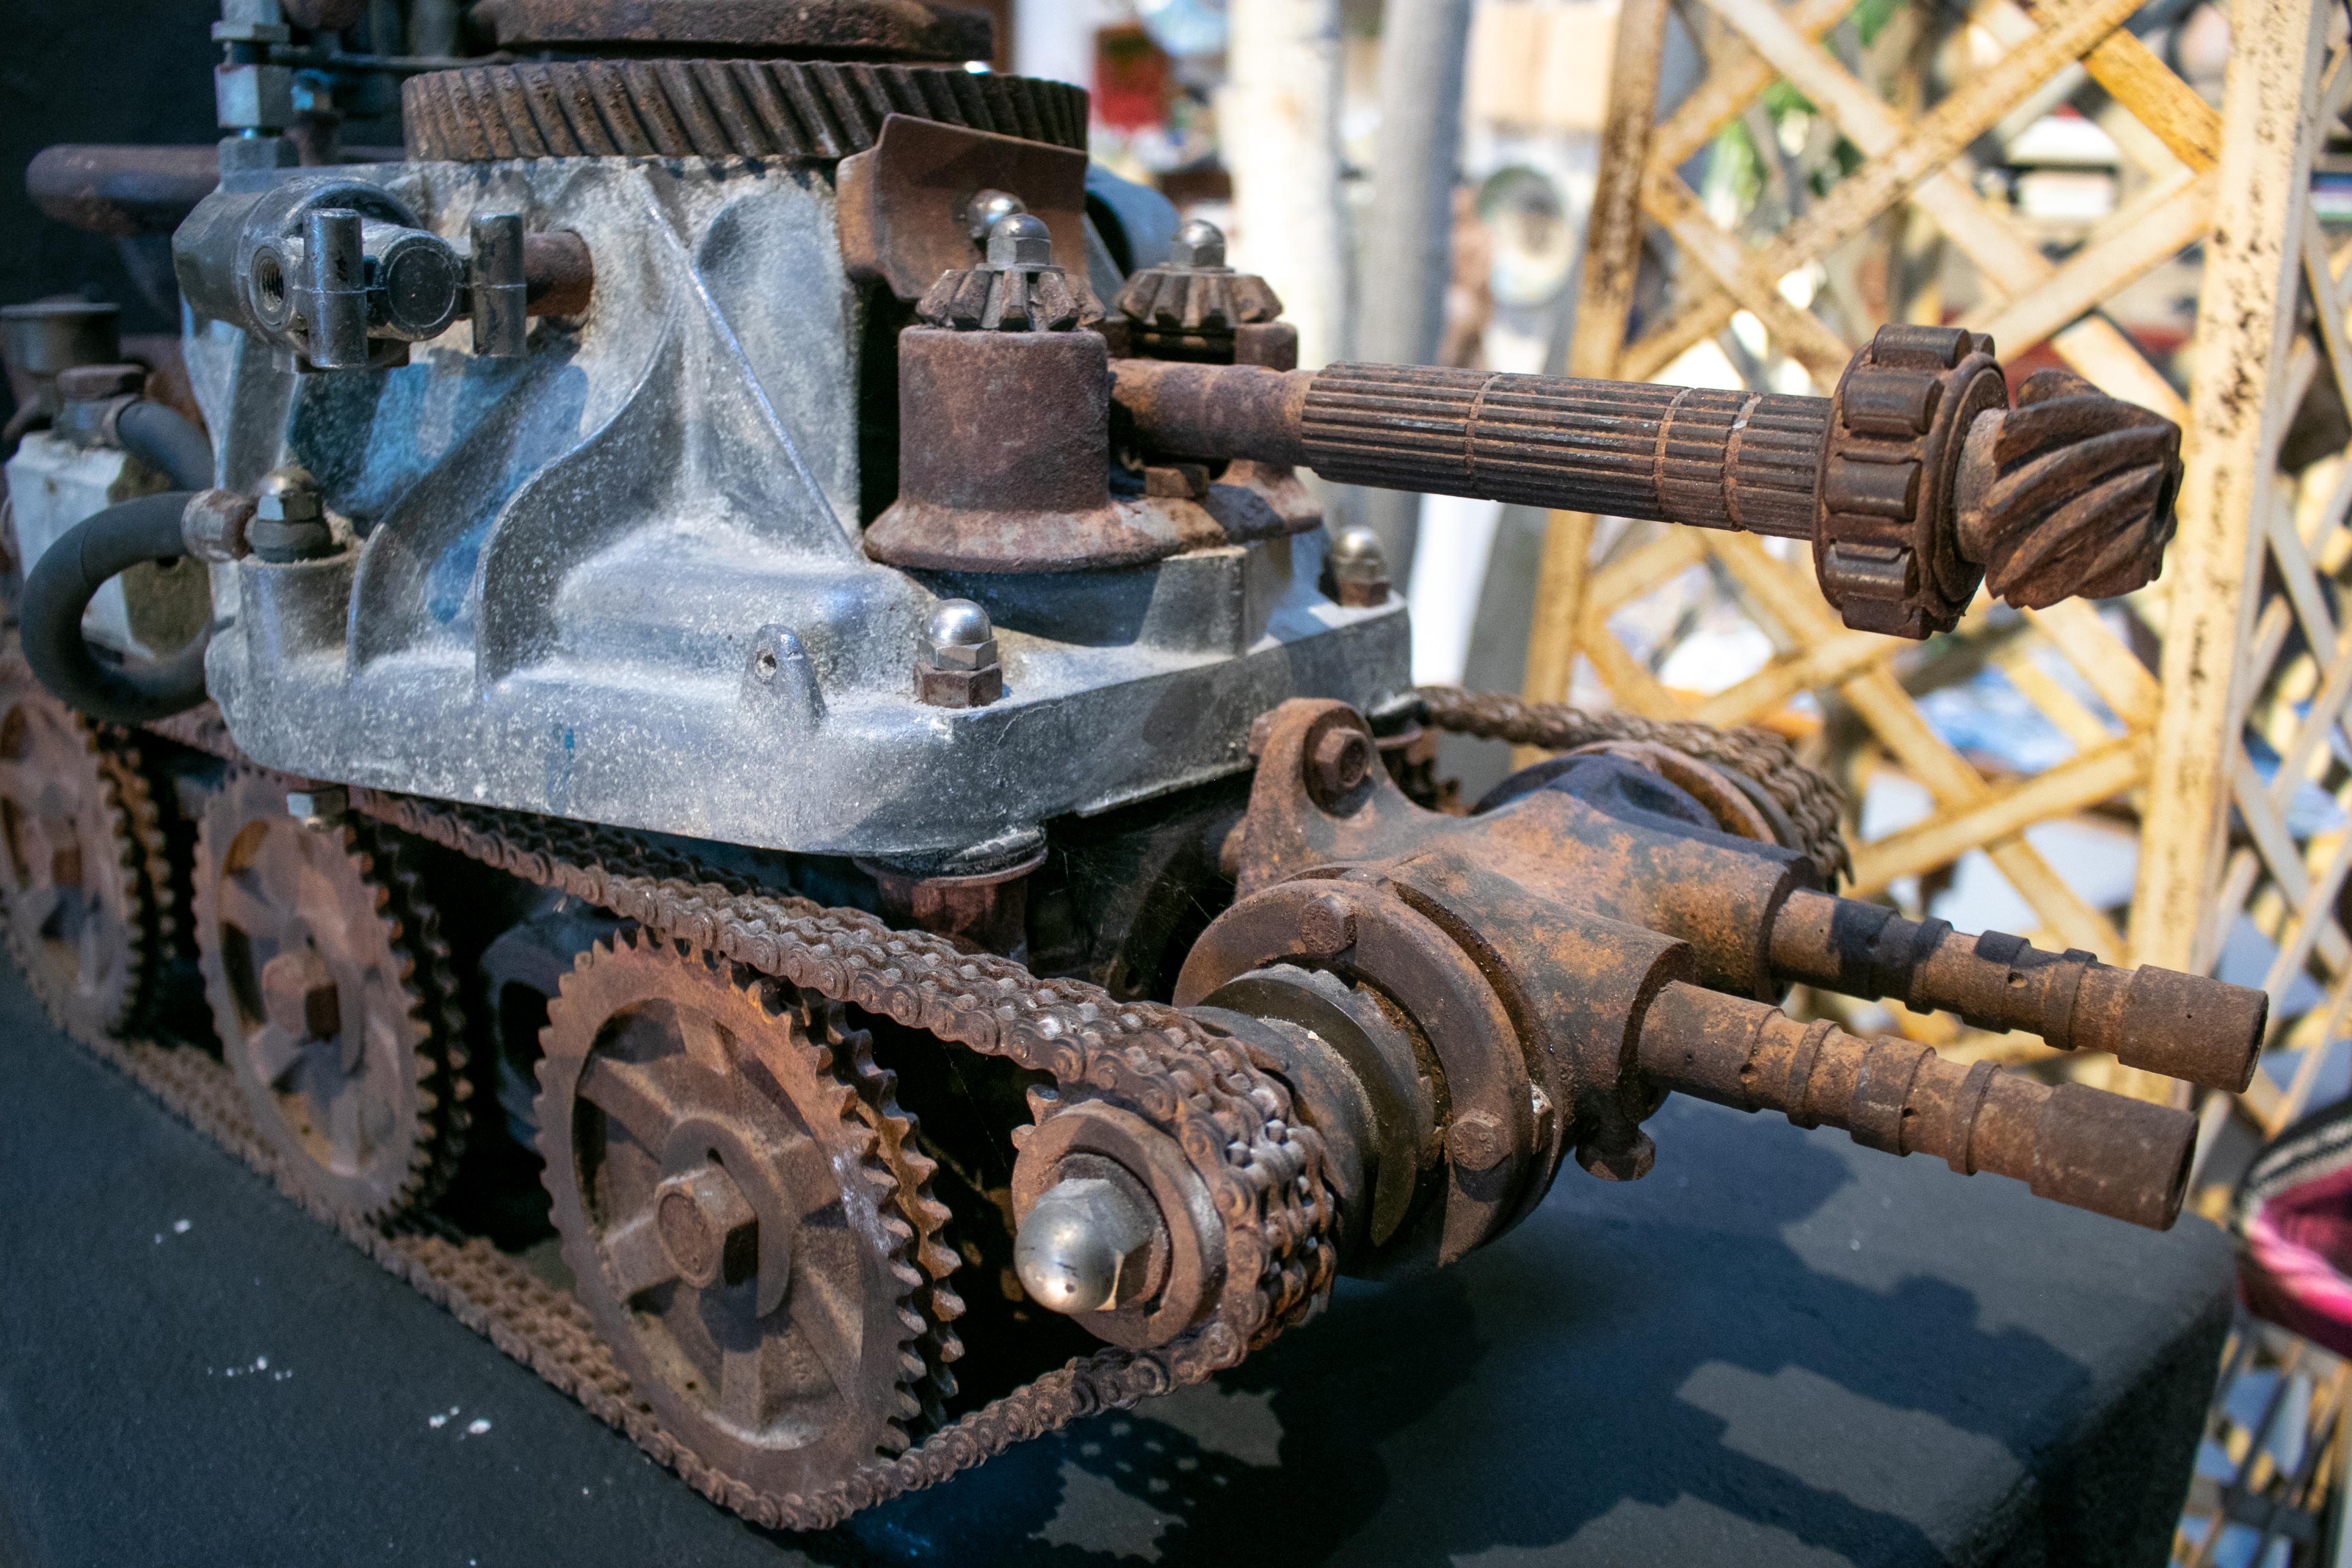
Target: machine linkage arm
{"x":1914,"y":482}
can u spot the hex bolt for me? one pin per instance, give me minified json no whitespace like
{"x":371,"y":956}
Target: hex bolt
{"x":1327,"y":926}
{"x":290,"y":521}
{"x":985,"y":208}
{"x":956,"y":666}
{"x":707,"y":1228}
{"x":1475,"y":1141}
{"x":1356,"y":574}
{"x":1341,"y":761}
{"x":1082,"y":1244}
{"x":320,"y":807}
{"x":1199,"y":246}
{"x":298,"y":995}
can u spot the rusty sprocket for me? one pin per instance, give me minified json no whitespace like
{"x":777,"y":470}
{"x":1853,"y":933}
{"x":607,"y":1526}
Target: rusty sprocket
{"x":726,"y":1214}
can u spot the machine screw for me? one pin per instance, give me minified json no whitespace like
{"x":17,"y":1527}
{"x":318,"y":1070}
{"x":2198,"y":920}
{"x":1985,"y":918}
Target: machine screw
{"x":1082,"y":1245}
{"x":1342,"y":760}
{"x":981,"y":214}
{"x":1475,"y":1141}
{"x":708,"y":1228}
{"x":320,"y":807}
{"x":289,"y":521}
{"x":1327,"y":926}
{"x":956,"y":666}
{"x":1356,"y":573}
{"x":1199,"y":244}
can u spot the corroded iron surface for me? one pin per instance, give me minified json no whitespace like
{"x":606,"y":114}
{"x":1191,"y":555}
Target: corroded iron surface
{"x":811,"y":112}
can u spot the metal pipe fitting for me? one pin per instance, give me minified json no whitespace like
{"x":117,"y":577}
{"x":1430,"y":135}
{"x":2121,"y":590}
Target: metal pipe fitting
{"x":2183,"y":1026}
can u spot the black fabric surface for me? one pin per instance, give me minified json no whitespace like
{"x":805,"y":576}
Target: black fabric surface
{"x":1778,"y":1349}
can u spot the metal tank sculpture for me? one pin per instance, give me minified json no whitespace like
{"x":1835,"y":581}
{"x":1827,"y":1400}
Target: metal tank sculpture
{"x":734,"y":620}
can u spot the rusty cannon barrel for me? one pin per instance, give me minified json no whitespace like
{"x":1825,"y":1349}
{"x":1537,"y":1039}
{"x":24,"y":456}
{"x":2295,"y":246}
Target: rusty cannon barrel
{"x":2079,"y":1146}
{"x":2183,"y":1026}
{"x":1915,"y":482}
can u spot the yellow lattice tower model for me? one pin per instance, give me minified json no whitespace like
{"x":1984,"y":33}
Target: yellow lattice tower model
{"x":2252,"y":654}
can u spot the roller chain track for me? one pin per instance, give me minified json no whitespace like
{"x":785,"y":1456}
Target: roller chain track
{"x":1227,"y":1112}
{"x":1811,"y":802}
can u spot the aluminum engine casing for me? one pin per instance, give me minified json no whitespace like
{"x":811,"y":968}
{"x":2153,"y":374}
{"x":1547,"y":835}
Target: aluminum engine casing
{"x":620,"y":579}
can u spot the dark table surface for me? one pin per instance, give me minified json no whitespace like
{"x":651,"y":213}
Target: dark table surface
{"x":1778,"y":1349}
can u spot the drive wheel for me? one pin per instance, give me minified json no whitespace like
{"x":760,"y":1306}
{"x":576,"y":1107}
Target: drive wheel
{"x":727,"y":1215}
{"x":81,"y":840}
{"x":330,"y":989}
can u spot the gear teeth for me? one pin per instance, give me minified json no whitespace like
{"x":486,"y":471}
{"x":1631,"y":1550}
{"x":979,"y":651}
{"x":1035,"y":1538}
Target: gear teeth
{"x":607,"y":976}
{"x":391,"y":892}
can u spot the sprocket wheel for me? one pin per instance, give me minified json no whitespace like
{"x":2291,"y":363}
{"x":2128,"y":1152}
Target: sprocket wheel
{"x":331,"y":991}
{"x":728,"y":1214}
{"x":86,"y":922}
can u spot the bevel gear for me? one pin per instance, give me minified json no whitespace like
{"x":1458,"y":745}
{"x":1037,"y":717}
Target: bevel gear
{"x":728,"y":1214}
{"x":331,"y":991}
{"x":89,"y":921}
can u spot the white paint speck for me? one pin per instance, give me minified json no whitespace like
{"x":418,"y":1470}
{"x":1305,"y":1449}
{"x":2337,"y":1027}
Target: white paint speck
{"x":436,"y":1422}
{"x":261,"y":1364}
{"x":182,"y":1227}
{"x":159,"y":1238}
{"x":477,"y":1427}
{"x":1855,"y":1244}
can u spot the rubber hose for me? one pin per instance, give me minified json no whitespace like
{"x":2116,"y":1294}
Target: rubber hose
{"x":166,"y":442}
{"x":68,"y":573}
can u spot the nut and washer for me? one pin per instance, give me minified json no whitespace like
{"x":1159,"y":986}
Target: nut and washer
{"x":289,"y":521}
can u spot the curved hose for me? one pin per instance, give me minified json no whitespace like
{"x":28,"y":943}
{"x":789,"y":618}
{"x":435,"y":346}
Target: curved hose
{"x":166,"y":442}
{"x":68,"y":573}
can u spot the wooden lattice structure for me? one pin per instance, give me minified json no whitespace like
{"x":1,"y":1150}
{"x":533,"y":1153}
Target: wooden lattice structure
{"x":2234,"y":762}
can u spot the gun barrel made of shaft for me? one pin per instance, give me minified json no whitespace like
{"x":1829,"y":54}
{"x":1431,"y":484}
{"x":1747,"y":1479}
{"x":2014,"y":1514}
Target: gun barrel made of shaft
{"x":2184,"y":1025}
{"x":2081,"y":1146}
{"x":1688,"y":454}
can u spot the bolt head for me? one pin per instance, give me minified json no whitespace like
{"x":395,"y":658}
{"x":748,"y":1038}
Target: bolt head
{"x":1327,"y":926}
{"x":1020,"y":239}
{"x":1475,"y":1142}
{"x":982,"y":213}
{"x":289,"y":495}
{"x":1342,"y":760}
{"x":1082,"y":1245}
{"x":1198,"y":243}
{"x":708,"y":1228}
{"x":1357,"y":556}
{"x":298,"y":995}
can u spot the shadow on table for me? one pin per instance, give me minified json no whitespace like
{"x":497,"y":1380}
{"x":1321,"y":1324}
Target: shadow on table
{"x":1515,"y":1400}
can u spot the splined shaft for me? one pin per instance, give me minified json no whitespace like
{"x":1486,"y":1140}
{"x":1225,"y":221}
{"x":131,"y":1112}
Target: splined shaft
{"x":2123,"y":1158}
{"x":2184,"y":1025}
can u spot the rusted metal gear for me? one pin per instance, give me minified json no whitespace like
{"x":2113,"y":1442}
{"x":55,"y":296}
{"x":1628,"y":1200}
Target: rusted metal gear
{"x":935,"y":1300}
{"x":332,"y":995}
{"x":2069,"y":492}
{"x":727,"y":1215}
{"x":83,"y":879}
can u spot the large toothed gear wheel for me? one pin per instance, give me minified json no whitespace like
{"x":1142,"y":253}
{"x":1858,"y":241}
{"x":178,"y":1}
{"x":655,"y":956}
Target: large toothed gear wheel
{"x":83,"y":881}
{"x":728,"y":1214}
{"x":331,"y":992}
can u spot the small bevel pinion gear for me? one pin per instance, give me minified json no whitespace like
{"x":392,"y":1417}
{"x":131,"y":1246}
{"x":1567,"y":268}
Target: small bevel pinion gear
{"x":1193,"y":293}
{"x":1017,"y":290}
